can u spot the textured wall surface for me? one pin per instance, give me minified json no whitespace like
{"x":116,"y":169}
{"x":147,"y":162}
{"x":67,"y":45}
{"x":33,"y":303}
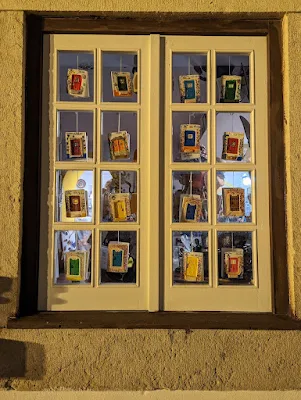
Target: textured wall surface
{"x":155,"y":359}
{"x":11,"y":155}
{"x":152,"y":395}
{"x":293,"y":121}
{"x":188,"y":6}
{"x":139,"y":359}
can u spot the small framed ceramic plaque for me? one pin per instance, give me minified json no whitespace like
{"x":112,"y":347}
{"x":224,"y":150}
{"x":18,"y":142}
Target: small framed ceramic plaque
{"x":76,"y":203}
{"x":118,"y":257}
{"x":121,"y":84}
{"x":233,"y":202}
{"x":78,"y":83}
{"x":230,"y":89}
{"x":120,"y":206}
{"x":193,"y":267}
{"x":191,"y":208}
{"x":76,"y":263}
{"x":190,"y":141}
{"x":233,"y":144}
{"x":232,"y":260}
{"x":119,"y":143}
{"x":190,"y":89}
{"x":76,"y":145}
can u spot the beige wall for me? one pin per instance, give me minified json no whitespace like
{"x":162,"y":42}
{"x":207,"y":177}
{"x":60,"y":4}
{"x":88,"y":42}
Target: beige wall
{"x":156,"y":395}
{"x":141,"y":359}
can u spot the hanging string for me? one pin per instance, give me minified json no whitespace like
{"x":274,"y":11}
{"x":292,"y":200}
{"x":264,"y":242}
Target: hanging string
{"x":191,"y":240}
{"x":119,"y":121}
{"x":232,"y":241}
{"x":189,"y":65}
{"x":190,"y":183}
{"x":120,"y":65}
{"x":118,"y":236}
{"x":77,"y":61}
{"x":76,"y":121}
{"x":229,"y":65}
{"x":189,"y":118}
{"x":119,"y":182}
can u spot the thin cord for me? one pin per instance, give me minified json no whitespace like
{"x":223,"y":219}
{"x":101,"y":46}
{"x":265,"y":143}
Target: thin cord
{"x":232,"y":241}
{"x":191,"y":238}
{"x":119,"y":182}
{"x":76,"y":121}
{"x":119,"y":121}
{"x":120,"y":66}
{"x":190,"y":181}
{"x":118,"y":236}
{"x":189,"y":116}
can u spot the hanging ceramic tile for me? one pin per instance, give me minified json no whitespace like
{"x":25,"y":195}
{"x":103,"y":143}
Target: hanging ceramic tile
{"x":122,"y":85}
{"x":78,"y":83}
{"x":233,"y":144}
{"x":118,"y":257}
{"x":230,"y":89}
{"x":233,"y":202}
{"x":190,"y":88}
{"x":76,"y":145}
{"x":76,"y":203}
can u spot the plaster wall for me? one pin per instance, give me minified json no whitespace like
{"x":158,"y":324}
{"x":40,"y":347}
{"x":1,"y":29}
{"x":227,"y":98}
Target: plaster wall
{"x":140,"y":359}
{"x":154,"y":395}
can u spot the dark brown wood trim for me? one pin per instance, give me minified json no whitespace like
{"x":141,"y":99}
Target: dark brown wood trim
{"x":277,"y":170}
{"x":160,"y":320}
{"x":32,"y":179}
{"x":171,"y":25}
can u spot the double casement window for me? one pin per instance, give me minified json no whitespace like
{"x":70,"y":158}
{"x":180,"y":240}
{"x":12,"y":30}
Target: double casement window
{"x":155,"y":188}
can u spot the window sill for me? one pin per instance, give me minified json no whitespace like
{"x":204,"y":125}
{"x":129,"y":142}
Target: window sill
{"x":158,"y":320}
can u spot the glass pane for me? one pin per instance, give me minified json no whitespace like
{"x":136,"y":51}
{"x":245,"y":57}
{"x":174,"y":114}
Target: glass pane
{"x":72,"y":257}
{"x":234,"y":196}
{"x":74,"y":136}
{"x":189,"y":133}
{"x":235,"y":265}
{"x":190,"y":257}
{"x":232,"y":78}
{"x":189,"y":78}
{"x":189,"y":196}
{"x":118,"y":257}
{"x":76,"y":76}
{"x":119,"y":196}
{"x":120,"y":78}
{"x":74,"y":196}
{"x":119,"y":136}
{"x":233,"y":139}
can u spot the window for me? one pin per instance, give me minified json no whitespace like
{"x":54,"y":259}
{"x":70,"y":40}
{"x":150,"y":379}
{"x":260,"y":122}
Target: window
{"x":118,"y":231}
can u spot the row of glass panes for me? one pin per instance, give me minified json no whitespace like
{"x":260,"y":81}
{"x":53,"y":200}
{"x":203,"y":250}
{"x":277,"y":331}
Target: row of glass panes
{"x":112,"y":121}
{"x":233,"y":195}
{"x":183,"y":64}
{"x":81,"y":242}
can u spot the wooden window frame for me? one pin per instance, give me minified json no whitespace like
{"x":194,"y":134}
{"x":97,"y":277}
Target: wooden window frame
{"x":27,"y":316}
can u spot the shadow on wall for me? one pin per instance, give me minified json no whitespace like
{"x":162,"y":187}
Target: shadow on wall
{"x":17,"y":359}
{"x":8,"y":298}
{"x":21,"y":359}
{"x":5,"y":287}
